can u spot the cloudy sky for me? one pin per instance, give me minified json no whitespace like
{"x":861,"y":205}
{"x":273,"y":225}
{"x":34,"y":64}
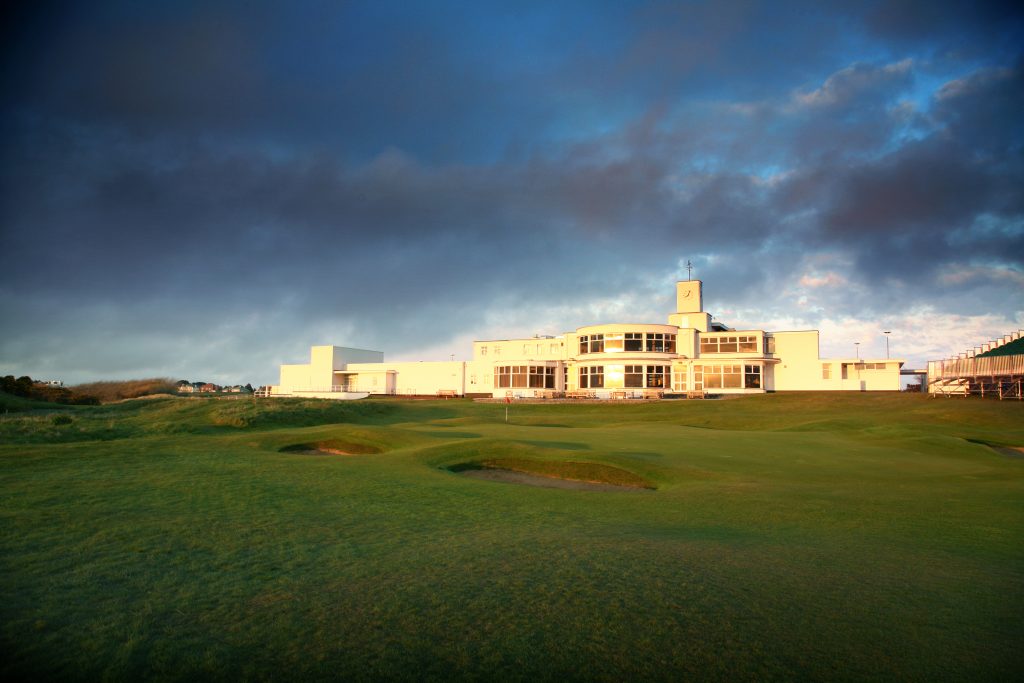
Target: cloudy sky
{"x":203,"y":190}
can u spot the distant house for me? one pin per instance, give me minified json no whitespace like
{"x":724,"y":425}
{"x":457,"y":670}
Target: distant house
{"x":209,"y":388}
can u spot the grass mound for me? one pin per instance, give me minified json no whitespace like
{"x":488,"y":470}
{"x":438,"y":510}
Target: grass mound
{"x":118,"y":390}
{"x":332,"y":447}
{"x":588,"y":472}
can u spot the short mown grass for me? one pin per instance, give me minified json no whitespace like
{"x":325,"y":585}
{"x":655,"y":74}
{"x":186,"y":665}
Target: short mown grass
{"x":827,"y":537}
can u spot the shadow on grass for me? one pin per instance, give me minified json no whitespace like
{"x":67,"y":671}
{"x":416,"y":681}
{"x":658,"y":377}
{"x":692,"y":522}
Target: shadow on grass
{"x":1002,"y":449}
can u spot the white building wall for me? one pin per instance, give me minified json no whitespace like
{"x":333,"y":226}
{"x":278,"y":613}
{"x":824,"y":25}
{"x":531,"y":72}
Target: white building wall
{"x":411,"y":378}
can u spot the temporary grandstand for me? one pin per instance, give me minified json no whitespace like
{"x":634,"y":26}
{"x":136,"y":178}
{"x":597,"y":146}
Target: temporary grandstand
{"x":992,"y":369}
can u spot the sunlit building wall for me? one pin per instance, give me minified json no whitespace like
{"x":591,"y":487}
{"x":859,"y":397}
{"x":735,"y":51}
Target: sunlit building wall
{"x":692,"y":354}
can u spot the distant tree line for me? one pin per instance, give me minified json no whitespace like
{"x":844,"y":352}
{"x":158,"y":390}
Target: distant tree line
{"x":26,"y":387}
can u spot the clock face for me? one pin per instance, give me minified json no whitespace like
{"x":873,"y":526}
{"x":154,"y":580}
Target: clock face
{"x":687,"y":293}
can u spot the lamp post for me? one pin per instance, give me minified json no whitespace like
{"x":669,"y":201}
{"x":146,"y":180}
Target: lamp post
{"x":856,"y":346}
{"x":887,"y":333}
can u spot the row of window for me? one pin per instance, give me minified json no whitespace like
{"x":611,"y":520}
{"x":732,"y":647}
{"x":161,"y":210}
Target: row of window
{"x":534,"y":376}
{"x":657,"y":376}
{"x":536,"y":349}
{"x":650,"y":342}
{"x":653,"y":342}
{"x":737,"y":344}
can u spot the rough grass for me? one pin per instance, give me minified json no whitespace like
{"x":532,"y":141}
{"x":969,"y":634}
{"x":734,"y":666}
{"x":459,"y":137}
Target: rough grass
{"x":812,"y":537}
{"x":118,"y":390}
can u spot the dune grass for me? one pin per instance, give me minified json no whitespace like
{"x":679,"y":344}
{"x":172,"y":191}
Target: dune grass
{"x":789,"y":536}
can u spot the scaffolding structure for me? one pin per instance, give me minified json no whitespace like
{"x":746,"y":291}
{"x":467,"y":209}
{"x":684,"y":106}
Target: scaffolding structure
{"x":998,"y":376}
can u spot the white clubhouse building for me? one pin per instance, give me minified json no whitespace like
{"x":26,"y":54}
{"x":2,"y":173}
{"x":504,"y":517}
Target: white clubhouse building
{"x":689,"y":355}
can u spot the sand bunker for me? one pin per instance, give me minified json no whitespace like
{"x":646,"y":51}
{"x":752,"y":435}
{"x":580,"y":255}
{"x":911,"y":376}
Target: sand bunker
{"x":331,"y":447}
{"x":510,"y":477}
{"x":585,"y":476}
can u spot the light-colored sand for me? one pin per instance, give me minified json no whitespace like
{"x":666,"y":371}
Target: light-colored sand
{"x":510,"y":477}
{"x":326,"y":451}
{"x":1011,"y":451}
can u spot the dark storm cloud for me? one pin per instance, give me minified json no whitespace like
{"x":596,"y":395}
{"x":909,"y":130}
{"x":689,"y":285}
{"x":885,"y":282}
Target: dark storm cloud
{"x":376,"y":176}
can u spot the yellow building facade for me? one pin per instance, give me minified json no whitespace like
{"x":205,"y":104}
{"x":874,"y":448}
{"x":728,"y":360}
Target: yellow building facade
{"x":689,"y":355}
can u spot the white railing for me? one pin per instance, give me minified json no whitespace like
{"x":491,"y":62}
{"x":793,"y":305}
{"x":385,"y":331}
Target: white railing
{"x":988,"y":366}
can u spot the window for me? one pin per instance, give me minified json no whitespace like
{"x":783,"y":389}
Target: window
{"x":679,"y":378}
{"x":656,"y":342}
{"x":634,"y":376}
{"x":521,"y":376}
{"x":483,"y":350}
{"x":752,"y":376}
{"x":769,"y":344}
{"x":656,"y":376}
{"x":698,"y":377}
{"x":554,"y":348}
{"x":613,"y":343}
{"x":542,"y":377}
{"x":723,"y":376}
{"x":730,"y":344}
{"x":497,"y":350}
{"x":826,"y":371}
{"x":584,"y":344}
{"x":526,"y":349}
{"x":634,"y":341}
{"x":597,"y":343}
{"x":592,"y":378}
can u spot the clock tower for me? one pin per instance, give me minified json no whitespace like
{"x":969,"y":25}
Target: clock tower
{"x":690,"y":307}
{"x":688,"y":297}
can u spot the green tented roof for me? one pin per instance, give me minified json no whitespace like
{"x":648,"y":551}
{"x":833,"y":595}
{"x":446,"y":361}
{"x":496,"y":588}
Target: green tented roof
{"x":1014,"y":348}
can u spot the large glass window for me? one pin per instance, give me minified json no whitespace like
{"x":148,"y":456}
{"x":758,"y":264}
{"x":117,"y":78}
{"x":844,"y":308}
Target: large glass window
{"x":698,"y":377}
{"x":752,"y":376}
{"x":634,"y":341}
{"x":679,"y":378}
{"x":597,"y":343}
{"x":634,"y":377}
{"x":656,"y":376}
{"x":521,"y":376}
{"x":592,"y":378}
{"x":730,"y":344}
{"x":613,"y":343}
{"x":584,"y":344}
{"x":723,"y":376}
{"x":656,"y":342}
